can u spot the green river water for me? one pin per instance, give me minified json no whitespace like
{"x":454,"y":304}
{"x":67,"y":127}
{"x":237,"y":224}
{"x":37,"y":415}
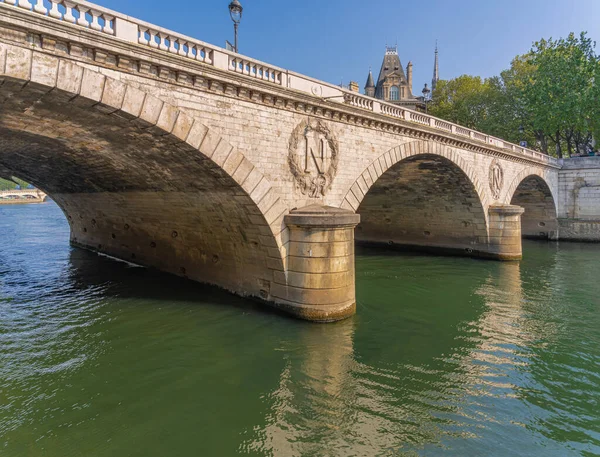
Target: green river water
{"x":446,"y":356}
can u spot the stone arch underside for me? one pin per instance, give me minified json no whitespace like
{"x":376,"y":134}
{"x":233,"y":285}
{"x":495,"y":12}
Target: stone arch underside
{"x":533,"y":194}
{"x":137,"y":178}
{"x":424,"y":199}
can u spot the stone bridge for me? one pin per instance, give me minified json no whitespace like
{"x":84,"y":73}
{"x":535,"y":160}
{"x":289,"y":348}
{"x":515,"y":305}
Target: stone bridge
{"x":20,"y":196}
{"x":173,"y":153}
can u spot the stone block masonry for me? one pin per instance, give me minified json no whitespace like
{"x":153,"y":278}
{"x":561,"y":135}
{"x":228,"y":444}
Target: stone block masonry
{"x":175,"y":154}
{"x":579,"y":191}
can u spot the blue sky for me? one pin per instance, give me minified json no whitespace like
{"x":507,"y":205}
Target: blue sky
{"x":339,"y":39}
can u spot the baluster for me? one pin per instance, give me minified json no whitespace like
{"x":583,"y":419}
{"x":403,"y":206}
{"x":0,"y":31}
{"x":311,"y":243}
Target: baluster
{"x":162,"y":43}
{"x":25,"y":4}
{"x":199,"y":52}
{"x":95,"y":25}
{"x":69,"y":13}
{"x":82,"y":21}
{"x":152,"y":40}
{"x":182,"y":45}
{"x":107,"y":27}
{"x":40,"y":8}
{"x":142,"y":38}
{"x":54,"y":12}
{"x":172,"y":47}
{"x":190,"y":53}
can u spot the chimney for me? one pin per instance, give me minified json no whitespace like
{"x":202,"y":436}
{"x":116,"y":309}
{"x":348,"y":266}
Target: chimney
{"x":409,"y":77}
{"x":354,"y":87}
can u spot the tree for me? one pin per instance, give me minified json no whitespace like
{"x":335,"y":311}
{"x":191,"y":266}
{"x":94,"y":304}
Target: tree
{"x":461,"y":100}
{"x":553,"y":92}
{"x":559,"y":94}
{"x":9,"y":185}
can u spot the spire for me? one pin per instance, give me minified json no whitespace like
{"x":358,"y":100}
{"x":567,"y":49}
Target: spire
{"x":370,"y":86}
{"x":436,"y":69}
{"x":370,"y":81}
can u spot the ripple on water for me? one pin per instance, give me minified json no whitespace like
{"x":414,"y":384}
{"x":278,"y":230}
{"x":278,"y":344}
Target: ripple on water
{"x":446,"y":355}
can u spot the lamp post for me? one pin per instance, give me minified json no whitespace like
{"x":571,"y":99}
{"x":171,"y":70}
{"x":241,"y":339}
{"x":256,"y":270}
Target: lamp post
{"x":522,"y":142}
{"x":426,"y":96}
{"x":235,"y":11}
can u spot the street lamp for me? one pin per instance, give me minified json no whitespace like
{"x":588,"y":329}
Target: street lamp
{"x":426,"y":98}
{"x":235,"y":11}
{"x":522,"y":142}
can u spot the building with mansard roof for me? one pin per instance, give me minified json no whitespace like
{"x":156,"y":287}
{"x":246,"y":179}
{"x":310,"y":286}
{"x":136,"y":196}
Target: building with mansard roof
{"x":395,"y":84}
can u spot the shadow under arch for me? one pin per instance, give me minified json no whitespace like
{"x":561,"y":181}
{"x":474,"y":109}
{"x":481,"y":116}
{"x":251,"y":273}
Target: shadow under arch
{"x":137,"y":178}
{"x":425,"y":197}
{"x":531,"y":191}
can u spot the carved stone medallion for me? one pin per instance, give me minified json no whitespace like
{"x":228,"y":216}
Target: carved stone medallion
{"x":496,"y":179}
{"x":313,"y":157}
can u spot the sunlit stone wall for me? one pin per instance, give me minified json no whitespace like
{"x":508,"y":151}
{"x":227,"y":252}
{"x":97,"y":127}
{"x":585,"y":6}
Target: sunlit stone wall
{"x":579,"y":185}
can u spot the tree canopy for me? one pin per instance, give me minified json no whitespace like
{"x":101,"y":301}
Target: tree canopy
{"x":9,"y":185}
{"x":552,"y":92}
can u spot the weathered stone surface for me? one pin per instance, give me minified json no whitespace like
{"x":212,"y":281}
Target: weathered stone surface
{"x":579,"y":192}
{"x":505,"y":232}
{"x":197,"y":180}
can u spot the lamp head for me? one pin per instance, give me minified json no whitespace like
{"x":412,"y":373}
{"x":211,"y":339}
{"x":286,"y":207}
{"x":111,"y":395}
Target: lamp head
{"x":235,"y":11}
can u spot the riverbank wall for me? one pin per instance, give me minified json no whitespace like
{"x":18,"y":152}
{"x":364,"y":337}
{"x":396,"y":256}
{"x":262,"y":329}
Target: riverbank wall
{"x":579,"y":199}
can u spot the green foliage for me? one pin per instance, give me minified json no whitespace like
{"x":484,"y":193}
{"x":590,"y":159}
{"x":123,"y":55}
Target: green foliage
{"x":9,"y":185}
{"x":553,"y":92}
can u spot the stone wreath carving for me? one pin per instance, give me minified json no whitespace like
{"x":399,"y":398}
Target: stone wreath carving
{"x":496,"y":179}
{"x":313,"y":157}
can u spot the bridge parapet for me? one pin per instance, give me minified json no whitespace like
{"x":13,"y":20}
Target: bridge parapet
{"x":82,"y":14}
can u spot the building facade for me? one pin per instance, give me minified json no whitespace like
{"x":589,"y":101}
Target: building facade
{"x":395,"y":83}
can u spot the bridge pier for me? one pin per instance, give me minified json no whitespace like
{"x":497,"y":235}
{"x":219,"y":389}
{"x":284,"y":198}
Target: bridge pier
{"x":319,"y":282}
{"x":505,"y":232}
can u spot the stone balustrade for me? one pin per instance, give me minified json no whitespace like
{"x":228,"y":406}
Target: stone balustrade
{"x":255,"y":70}
{"x":80,"y":13}
{"x":358,"y":101}
{"x":392,"y":110}
{"x":90,"y":16}
{"x":480,"y":136}
{"x":443,"y":125}
{"x":462,"y":131}
{"x":419,"y":118}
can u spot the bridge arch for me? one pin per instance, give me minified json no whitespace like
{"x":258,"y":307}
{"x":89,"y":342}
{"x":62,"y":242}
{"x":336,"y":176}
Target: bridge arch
{"x":531,"y":190}
{"x":136,"y":177}
{"x":421,"y":194}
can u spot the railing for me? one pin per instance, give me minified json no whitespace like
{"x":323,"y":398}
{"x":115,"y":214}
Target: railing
{"x":462,"y":131}
{"x":358,"y":101}
{"x":80,"y":13}
{"x":443,"y":125}
{"x":392,"y":110}
{"x":255,"y":70}
{"x":418,"y":118}
{"x":176,"y":45}
{"x":480,"y":136}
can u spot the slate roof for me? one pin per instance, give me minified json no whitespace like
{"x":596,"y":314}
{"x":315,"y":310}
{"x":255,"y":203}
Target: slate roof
{"x":370,"y":83}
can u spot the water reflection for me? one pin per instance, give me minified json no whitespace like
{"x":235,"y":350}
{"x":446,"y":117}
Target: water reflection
{"x":462,"y":393}
{"x":452,"y":356}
